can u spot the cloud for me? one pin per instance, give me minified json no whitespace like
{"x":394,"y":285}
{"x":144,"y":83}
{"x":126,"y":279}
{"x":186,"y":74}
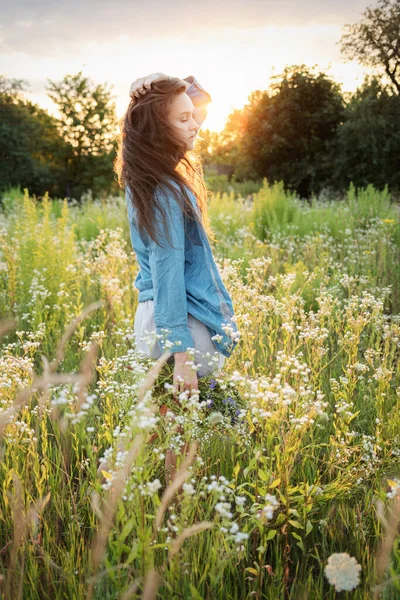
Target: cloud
{"x":61,"y":29}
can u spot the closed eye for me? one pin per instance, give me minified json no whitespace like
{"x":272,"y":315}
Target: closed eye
{"x":186,"y":113}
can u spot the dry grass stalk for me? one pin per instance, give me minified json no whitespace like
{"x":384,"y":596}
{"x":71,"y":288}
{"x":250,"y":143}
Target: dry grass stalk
{"x":143,"y":388}
{"x":152,"y":375}
{"x":69,"y":332}
{"x":130,"y":591}
{"x":385,"y":549}
{"x":188,"y":532}
{"x":6,"y":326}
{"x":87,"y":373}
{"x":50,"y":377}
{"x":38,"y":384}
{"x":151,"y":585}
{"x":174,"y":486}
{"x":95,"y":504}
{"x":119,"y":482}
{"x":110,"y":508}
{"x":21,"y":522}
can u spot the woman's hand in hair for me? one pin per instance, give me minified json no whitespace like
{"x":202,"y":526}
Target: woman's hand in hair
{"x":185,"y":372}
{"x":140,"y":86}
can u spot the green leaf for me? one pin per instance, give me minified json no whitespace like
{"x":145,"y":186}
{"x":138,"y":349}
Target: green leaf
{"x":134,"y":553}
{"x":262,"y":475}
{"x":127,"y":528}
{"x":275,"y":483}
{"x":271,"y":534}
{"x":309,"y":527}
{"x":295,"y":524}
{"x":194,"y":594}
{"x":300,"y":541}
{"x":280,"y":519}
{"x":282,"y":498}
{"x":292,"y":490}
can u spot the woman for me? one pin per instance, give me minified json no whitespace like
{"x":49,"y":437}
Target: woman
{"x":182,"y":298}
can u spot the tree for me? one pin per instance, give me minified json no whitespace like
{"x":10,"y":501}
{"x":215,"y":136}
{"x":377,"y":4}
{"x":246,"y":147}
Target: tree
{"x":88,"y":124}
{"x":367,"y":147}
{"x":87,"y":113}
{"x":32,"y":153}
{"x":12,"y":88}
{"x":375,"y":41}
{"x":290,"y":128}
{"x":225,"y":148}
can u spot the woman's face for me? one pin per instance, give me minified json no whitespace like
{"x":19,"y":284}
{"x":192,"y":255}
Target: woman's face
{"x":181,"y":119}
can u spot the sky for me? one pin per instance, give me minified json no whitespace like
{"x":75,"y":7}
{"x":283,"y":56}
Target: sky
{"x":232,"y":47}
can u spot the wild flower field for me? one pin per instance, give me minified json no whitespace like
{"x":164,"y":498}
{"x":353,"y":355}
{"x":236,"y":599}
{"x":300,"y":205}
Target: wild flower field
{"x":291,"y":487}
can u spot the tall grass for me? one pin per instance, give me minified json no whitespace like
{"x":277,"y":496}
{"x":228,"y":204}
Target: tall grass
{"x":295,"y":446}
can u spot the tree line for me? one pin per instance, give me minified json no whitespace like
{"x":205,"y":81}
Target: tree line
{"x":307,"y":133}
{"x":303,"y":130}
{"x":65,"y":156}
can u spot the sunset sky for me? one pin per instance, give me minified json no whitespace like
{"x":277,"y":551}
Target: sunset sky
{"x":231,"y":46}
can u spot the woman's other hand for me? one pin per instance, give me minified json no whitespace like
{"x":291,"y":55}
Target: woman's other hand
{"x":140,"y":86}
{"x":185,"y":372}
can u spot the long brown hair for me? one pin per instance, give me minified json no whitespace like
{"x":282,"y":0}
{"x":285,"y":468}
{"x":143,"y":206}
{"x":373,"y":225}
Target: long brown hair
{"x":150,"y":155}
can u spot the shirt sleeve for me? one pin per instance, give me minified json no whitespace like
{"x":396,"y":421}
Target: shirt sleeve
{"x":167,"y":265}
{"x":196,"y":92}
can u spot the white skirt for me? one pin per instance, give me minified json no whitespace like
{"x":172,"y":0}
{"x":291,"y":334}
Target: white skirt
{"x":206,"y":355}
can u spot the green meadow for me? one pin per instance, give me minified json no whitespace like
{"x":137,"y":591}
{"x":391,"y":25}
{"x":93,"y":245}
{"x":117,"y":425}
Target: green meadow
{"x":294,"y":447}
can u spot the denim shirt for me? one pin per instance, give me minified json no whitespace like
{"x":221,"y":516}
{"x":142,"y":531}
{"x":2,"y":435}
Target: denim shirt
{"x":182,"y":279}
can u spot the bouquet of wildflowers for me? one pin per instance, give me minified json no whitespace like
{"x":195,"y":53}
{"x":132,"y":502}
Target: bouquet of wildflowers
{"x":221,"y":402}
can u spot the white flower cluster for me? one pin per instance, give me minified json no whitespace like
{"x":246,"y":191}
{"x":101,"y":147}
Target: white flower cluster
{"x":266,"y":395}
{"x":267,"y":511}
{"x":343,"y":572}
{"x":15,"y":373}
{"x":223,"y":508}
{"x":141,"y":415}
{"x":215,"y":418}
{"x":83,"y":409}
{"x":153,"y":486}
{"x":20,"y":433}
{"x":230,"y":332}
{"x":188,"y":489}
{"x":110,"y":473}
{"x":37,"y":291}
